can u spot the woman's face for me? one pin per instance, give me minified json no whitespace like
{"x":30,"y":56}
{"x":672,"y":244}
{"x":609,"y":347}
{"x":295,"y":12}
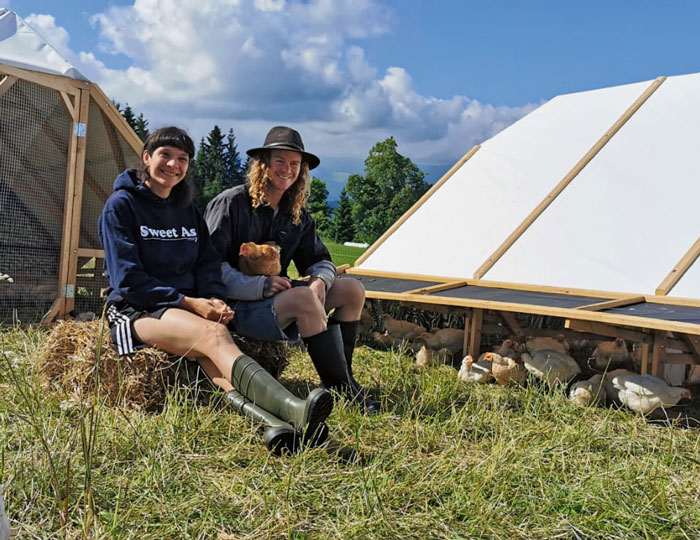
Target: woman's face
{"x":283,"y":169}
{"x":167,"y":167}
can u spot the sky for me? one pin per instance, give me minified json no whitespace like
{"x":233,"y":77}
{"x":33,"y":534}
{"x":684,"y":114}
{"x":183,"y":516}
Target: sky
{"x":438,"y":75}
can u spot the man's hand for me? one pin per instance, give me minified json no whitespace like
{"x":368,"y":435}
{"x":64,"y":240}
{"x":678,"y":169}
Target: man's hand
{"x":275,"y":284}
{"x":212,"y":309}
{"x":318,"y":286}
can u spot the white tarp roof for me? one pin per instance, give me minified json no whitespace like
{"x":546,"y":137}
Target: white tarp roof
{"x":621,"y":225}
{"x":21,"y":46}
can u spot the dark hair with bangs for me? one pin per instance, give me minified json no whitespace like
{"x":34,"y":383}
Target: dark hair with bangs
{"x":178,"y":138}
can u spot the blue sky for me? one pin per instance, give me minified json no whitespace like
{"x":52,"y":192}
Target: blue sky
{"x":439,"y":76}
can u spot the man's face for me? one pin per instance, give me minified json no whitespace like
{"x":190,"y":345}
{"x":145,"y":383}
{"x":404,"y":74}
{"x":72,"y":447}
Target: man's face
{"x":283,"y":169}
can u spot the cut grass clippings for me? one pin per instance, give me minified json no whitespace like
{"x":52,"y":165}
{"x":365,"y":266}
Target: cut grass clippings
{"x":447,"y":460}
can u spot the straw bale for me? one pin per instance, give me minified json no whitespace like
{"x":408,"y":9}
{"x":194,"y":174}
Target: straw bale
{"x":69,"y":358}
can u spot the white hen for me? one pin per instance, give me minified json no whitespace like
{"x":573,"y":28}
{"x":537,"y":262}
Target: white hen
{"x":587,"y":393}
{"x":646,"y":393}
{"x":551,"y":366}
{"x":471,"y":371}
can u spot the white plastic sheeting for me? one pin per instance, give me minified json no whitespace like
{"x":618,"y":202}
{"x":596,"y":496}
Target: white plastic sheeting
{"x":21,"y":46}
{"x":621,"y":225}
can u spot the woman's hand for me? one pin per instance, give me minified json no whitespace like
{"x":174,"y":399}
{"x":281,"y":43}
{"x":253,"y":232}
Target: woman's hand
{"x":318,"y":286}
{"x":275,"y":284}
{"x":212,"y":309}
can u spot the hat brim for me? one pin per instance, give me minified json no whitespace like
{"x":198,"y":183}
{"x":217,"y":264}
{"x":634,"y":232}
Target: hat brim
{"x":307,"y":157}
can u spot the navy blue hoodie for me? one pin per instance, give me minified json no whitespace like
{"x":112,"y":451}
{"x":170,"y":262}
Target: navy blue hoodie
{"x":156,"y":252}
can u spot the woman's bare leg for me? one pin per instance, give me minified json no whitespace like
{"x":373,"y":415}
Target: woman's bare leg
{"x":183,"y":333}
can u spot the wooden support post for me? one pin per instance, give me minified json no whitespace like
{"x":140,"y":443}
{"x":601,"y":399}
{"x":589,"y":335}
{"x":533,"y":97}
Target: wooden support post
{"x":71,"y":210}
{"x":465,"y":342}
{"x":475,"y":332}
{"x":645,"y":358}
{"x":657,"y":351}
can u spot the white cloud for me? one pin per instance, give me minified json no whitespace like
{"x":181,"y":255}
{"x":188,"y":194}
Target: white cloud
{"x":57,"y":36}
{"x":250,"y":64}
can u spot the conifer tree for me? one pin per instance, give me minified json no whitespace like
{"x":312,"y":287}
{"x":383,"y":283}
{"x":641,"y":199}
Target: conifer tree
{"x":343,"y":226}
{"x":317,"y":205}
{"x":234,"y":172}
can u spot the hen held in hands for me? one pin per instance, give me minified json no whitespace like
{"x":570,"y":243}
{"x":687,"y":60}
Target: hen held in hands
{"x":260,"y":259}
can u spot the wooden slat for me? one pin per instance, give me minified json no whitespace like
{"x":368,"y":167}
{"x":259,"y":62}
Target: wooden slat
{"x":416,"y":205}
{"x":342,"y":268}
{"x":117,"y":120}
{"x":69,"y":105}
{"x":673,"y":358}
{"x":672,"y":301}
{"x":438,"y":288}
{"x":87,"y":252}
{"x":679,"y":270}
{"x":397,"y":275}
{"x":530,"y":219}
{"x":511,"y":323}
{"x":55,"y":82}
{"x":619,"y":302}
{"x":7,"y":83}
{"x":607,"y":330}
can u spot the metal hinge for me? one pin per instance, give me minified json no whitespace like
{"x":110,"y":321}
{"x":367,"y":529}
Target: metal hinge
{"x":79,"y":129}
{"x":69,"y":291}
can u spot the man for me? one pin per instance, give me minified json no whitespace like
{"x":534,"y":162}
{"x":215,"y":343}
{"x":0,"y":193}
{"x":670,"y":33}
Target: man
{"x":272,"y":207}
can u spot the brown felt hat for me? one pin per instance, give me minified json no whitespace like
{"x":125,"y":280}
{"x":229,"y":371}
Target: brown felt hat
{"x":285,"y":138}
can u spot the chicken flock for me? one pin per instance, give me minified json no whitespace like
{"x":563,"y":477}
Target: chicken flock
{"x":544,"y":359}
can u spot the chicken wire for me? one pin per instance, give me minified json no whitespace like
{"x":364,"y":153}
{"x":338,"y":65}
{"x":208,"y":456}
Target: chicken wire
{"x":34,"y":138}
{"x":107,"y":154}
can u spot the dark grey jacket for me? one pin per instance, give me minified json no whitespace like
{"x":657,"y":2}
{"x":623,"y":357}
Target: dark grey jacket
{"x":232,"y":220}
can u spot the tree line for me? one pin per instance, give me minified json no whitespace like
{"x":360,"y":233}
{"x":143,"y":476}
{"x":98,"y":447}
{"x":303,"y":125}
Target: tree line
{"x":369,"y":204}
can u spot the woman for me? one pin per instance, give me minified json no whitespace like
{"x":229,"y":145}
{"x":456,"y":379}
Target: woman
{"x":166,"y":291}
{"x":272,"y":207}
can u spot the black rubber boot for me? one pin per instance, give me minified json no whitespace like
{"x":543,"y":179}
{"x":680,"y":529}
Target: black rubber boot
{"x":280,"y":437}
{"x":328,"y":356}
{"x":258,"y":386}
{"x":348,"y":334}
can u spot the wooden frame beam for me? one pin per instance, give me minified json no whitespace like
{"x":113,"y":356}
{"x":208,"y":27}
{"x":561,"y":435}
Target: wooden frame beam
{"x":117,"y":120}
{"x":601,"y":306}
{"x":607,"y":330}
{"x":55,"y":82}
{"x":540,"y":208}
{"x":438,"y":288}
{"x":679,"y":270}
{"x":466,"y":157}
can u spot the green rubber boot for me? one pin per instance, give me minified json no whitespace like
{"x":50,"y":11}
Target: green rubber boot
{"x":257,"y":385}
{"x":280,"y":437}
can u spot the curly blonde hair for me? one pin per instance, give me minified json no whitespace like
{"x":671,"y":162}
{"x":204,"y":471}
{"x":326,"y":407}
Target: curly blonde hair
{"x":298,"y":192}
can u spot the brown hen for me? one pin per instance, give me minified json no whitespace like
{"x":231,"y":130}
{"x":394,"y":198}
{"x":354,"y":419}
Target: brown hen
{"x":260,"y":259}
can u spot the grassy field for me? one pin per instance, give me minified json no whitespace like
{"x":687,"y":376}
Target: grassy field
{"x":339,"y":253}
{"x":447,"y":460}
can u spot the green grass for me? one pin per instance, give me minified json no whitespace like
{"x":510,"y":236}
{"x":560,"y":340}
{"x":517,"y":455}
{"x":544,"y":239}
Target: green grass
{"x":448,"y":460}
{"x":340,"y":254}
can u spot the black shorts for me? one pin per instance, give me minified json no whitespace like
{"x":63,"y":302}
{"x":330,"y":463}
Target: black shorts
{"x":120,"y":317}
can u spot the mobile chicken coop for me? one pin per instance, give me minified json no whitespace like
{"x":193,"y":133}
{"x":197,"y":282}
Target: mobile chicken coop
{"x":585,"y":210}
{"x":62,"y":142}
